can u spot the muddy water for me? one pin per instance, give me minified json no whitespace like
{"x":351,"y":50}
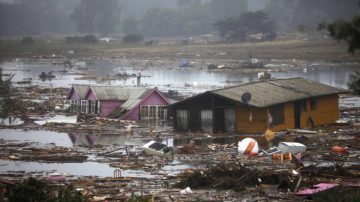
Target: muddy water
{"x":50,"y":138}
{"x":168,"y":75}
{"x":43,"y":138}
{"x":77,"y":169}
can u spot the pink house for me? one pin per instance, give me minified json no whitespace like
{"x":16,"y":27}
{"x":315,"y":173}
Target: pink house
{"x":125,"y":103}
{"x":75,"y":95}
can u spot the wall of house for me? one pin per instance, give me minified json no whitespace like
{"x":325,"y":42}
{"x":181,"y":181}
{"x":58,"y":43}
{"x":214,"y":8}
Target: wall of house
{"x":153,"y":99}
{"x":73,"y":95}
{"x":327,"y":111}
{"x":108,"y":106}
{"x":289,"y":121}
{"x":258,"y":124}
{"x":90,"y":95}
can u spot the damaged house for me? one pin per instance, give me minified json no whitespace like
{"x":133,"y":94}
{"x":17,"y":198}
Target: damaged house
{"x":119,"y":102}
{"x":254,"y":107}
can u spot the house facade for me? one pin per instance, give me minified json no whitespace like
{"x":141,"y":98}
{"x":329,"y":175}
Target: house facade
{"x":124,"y":103}
{"x":255,"y":107}
{"x":75,"y":94}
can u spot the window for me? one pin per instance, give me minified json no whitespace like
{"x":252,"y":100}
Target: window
{"x":161,"y":113}
{"x":92,"y":107}
{"x":144,"y":112}
{"x":74,"y":105}
{"x":303,"y":106}
{"x":313,"y":103}
{"x":277,"y":114}
{"x":84,"y":106}
{"x":152,"y":112}
{"x":97,"y":108}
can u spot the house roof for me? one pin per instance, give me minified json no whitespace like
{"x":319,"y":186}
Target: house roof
{"x":110,"y":93}
{"x":80,"y":90}
{"x":271,"y":92}
{"x":135,"y":97}
{"x":275,"y":91}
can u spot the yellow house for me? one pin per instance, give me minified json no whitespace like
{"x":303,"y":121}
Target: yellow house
{"x":275,"y":104}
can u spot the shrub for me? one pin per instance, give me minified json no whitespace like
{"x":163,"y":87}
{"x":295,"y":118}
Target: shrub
{"x":27,"y":40}
{"x":90,"y":39}
{"x":133,"y":38}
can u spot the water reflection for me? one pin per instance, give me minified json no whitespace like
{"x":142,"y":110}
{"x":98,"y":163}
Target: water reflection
{"x":78,"y":169}
{"x":80,"y":139}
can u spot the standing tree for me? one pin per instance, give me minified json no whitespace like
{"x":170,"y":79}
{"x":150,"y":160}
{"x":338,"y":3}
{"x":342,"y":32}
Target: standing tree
{"x":238,"y":29}
{"x":96,"y":16}
{"x":227,"y":9}
{"x":350,"y":33}
{"x":130,"y":25}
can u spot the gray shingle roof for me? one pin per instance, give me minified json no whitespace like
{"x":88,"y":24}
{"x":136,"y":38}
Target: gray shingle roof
{"x":276,"y":91}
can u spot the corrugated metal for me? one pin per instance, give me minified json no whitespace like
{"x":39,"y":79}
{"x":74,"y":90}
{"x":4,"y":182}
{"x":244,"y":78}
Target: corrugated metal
{"x":135,"y":96}
{"x":206,"y":120}
{"x":272,"y":92}
{"x":182,"y":119}
{"x":109,"y":93}
{"x":80,"y":90}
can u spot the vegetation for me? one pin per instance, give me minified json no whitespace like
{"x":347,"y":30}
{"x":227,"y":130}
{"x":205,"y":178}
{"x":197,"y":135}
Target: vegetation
{"x":130,"y":25}
{"x":93,"y":16}
{"x":350,"y":33}
{"x":33,"y":190}
{"x":306,"y":14}
{"x":6,"y":103}
{"x":133,"y":38}
{"x":27,"y":40}
{"x":239,"y":29}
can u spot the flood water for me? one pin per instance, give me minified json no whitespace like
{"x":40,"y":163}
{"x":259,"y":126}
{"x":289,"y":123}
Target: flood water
{"x":169,"y":75}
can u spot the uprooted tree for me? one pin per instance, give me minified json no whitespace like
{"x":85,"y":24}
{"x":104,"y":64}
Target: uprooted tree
{"x":239,"y":29}
{"x":350,"y":33}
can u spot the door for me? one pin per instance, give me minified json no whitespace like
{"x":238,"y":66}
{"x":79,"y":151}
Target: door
{"x":297,"y":114}
{"x":230,"y":120}
{"x":219,"y":120}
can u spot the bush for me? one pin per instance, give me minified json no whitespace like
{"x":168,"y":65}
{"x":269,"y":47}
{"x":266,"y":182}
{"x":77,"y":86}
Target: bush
{"x":133,"y":38}
{"x":90,"y":39}
{"x":27,"y":40}
{"x":73,"y":39}
{"x":32,"y":189}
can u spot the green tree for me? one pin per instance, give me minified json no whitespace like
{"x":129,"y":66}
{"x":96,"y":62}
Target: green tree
{"x":350,"y":33}
{"x":227,"y":9}
{"x":96,"y":16}
{"x":238,"y":29}
{"x":161,"y":22}
{"x":130,"y":25}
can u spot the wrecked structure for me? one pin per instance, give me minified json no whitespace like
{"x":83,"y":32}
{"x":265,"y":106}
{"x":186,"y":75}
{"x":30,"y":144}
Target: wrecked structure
{"x":119,"y":102}
{"x":275,"y":104}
